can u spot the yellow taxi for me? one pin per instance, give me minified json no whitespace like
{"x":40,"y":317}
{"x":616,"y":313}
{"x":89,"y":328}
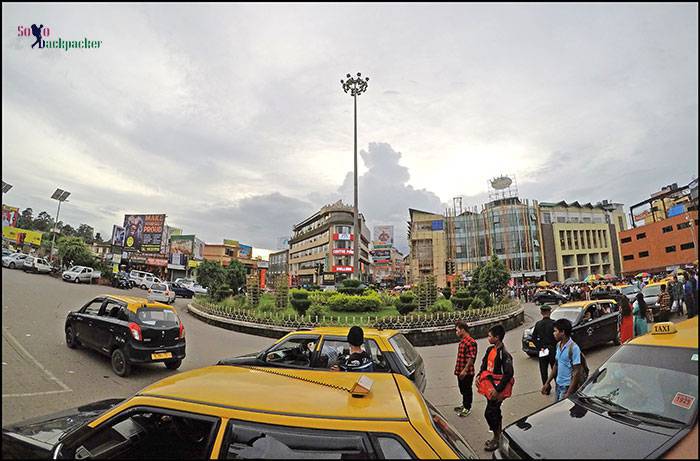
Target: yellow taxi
{"x":251,"y":412}
{"x":641,"y":403}
{"x":321,"y":348}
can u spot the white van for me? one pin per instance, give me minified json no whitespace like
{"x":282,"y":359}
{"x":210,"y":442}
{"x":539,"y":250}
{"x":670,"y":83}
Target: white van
{"x":138,"y":277}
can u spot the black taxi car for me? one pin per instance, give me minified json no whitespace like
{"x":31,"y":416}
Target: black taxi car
{"x":594,"y":323}
{"x":129,"y":330}
{"x":641,"y":403}
{"x":320,"y":348}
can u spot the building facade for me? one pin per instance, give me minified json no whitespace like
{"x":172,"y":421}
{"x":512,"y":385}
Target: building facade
{"x":279,"y":263}
{"x":229,"y":251}
{"x":387,"y":265}
{"x":580,"y":240}
{"x":321,"y":247}
{"x":660,"y":246}
{"x":427,"y":241}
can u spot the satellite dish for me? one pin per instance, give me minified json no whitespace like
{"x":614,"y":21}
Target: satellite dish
{"x":502,"y":182}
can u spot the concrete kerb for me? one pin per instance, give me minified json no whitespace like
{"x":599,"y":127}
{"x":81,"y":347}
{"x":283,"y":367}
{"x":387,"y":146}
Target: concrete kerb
{"x":431,"y":336}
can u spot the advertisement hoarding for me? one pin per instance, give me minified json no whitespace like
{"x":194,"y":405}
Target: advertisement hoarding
{"x":10,"y":215}
{"x":143,"y":232}
{"x":343,"y":251}
{"x":245,"y":251}
{"x":182,"y":245}
{"x":676,"y":210}
{"x":233,"y":243}
{"x":22,"y":236}
{"x":117,"y":236}
{"x":342,"y":269}
{"x":384,"y":234}
{"x":437,"y":225}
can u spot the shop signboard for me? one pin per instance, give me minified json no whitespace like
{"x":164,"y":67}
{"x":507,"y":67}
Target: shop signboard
{"x":22,"y":236}
{"x":438,"y":225}
{"x":115,"y":268}
{"x":157,"y":262}
{"x":384,"y":234}
{"x":117,"y":236}
{"x":233,"y":243}
{"x":381,"y":253}
{"x":192,"y":264}
{"x":144,"y":232}
{"x":343,"y":251}
{"x":245,"y":251}
{"x":10,"y":215}
{"x":342,"y":269}
{"x":116,"y":258}
{"x":337,"y":236}
{"x":676,"y":210}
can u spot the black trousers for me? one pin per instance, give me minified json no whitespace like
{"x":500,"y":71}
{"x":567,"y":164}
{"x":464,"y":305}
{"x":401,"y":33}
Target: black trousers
{"x":546,"y":363}
{"x":465,"y":388}
{"x":493,"y":414}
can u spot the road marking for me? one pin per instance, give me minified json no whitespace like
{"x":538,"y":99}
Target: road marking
{"x":24,"y":351}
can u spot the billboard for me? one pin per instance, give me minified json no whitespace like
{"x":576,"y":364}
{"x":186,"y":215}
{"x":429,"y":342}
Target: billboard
{"x":144,"y":232}
{"x":198,"y":249}
{"x":182,"y":245}
{"x":245,"y":251}
{"x":384,"y":234}
{"x":233,"y":243}
{"x":22,"y":236}
{"x":117,"y":236}
{"x":10,"y":215}
{"x":676,"y":210}
{"x":438,"y":225}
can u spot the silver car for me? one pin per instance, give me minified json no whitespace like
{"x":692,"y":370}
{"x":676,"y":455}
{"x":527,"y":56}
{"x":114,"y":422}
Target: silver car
{"x":14,"y":261}
{"x":37,"y":265}
{"x":161,"y":292}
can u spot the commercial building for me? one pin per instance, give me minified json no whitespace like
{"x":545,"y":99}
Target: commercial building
{"x":427,"y":240}
{"x":580,"y":240}
{"x":230,"y":250}
{"x":670,"y":201}
{"x":387,"y":265}
{"x":321,"y":247}
{"x":279,"y":263}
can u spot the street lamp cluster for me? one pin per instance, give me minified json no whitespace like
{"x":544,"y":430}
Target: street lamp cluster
{"x":356,"y":86}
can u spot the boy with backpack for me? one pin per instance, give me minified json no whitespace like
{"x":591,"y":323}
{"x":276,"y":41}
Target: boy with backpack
{"x":570,"y":369}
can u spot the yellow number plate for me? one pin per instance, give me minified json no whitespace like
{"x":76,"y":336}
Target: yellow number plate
{"x":164,"y":355}
{"x":531,"y":344}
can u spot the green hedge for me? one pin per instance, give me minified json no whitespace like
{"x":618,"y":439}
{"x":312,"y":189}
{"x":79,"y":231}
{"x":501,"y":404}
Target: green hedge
{"x":441,"y":305}
{"x":461,"y":299}
{"x":370,"y":302}
{"x":299,"y":294}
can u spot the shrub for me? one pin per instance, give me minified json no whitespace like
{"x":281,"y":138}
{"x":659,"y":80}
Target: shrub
{"x":484,"y":295}
{"x":370,"y":302}
{"x":441,"y":305}
{"x":352,"y":283}
{"x":462,"y":299}
{"x":447,"y":292}
{"x":299,"y":294}
{"x":300,"y":305}
{"x":317,"y":310}
{"x":406,"y":297}
{"x":388,"y":300}
{"x":406,"y":308}
{"x":220,"y":291}
{"x":477,"y":303}
{"x":351,"y":287}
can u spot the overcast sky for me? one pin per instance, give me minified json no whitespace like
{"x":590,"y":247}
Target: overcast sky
{"x":232,"y":121}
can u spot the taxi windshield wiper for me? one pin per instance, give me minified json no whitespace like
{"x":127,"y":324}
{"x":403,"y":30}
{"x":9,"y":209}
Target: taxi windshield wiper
{"x":604,"y":400}
{"x":647,"y":415}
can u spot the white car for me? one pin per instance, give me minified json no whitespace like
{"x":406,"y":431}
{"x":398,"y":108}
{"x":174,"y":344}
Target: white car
{"x":15,"y":260}
{"x":138,"y":277}
{"x":79,"y":274}
{"x":148,"y":281}
{"x":187,"y":283}
{"x":161,"y":292}
{"x":38,"y":265}
{"x":198,"y":289}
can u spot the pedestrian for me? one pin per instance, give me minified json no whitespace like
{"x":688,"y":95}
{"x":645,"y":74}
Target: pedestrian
{"x":676,"y":290}
{"x":464,"y":368}
{"x":690,"y":302}
{"x":567,"y":370}
{"x":543,"y":337}
{"x":664,"y":304}
{"x":495,"y":381}
{"x":639,"y":311}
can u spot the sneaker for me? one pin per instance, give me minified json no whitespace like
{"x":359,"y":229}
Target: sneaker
{"x":464,"y":412}
{"x":459,"y":408}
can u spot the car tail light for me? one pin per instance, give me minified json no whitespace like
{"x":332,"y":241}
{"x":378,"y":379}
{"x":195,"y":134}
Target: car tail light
{"x":182,"y":331}
{"x":135,"y":331}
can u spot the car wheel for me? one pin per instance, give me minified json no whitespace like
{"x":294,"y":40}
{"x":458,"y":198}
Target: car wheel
{"x":77,"y":280}
{"x":120,"y":365}
{"x":173,"y":364}
{"x":143,"y":287}
{"x":71,"y":340}
{"x":12,"y":265}
{"x":617,"y":340}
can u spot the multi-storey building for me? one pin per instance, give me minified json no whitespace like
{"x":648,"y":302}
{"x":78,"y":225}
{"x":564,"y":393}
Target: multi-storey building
{"x":321,"y":247}
{"x":580,"y":240}
{"x":279,"y":263}
{"x":387,"y":265}
{"x":229,"y":250}
{"x":428,"y":246}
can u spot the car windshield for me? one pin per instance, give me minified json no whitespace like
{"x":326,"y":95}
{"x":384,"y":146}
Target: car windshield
{"x":162,"y":318}
{"x":629,"y":290}
{"x":75,"y":269}
{"x":562,"y":313}
{"x":659,"y":381}
{"x":652,"y":290}
{"x":405,"y":349}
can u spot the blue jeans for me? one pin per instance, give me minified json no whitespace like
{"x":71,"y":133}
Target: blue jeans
{"x":559,"y":392}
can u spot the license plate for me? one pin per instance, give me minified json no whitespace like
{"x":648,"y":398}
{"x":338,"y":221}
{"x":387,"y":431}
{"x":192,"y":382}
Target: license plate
{"x":531,"y":344}
{"x":163,"y":355}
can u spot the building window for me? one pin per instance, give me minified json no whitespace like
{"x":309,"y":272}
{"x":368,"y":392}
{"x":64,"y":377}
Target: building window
{"x":562,"y":242}
{"x":671,"y":249}
{"x":643,"y":254}
{"x":687,"y":246}
{"x":628,"y":257}
{"x":626,"y":240}
{"x":643,"y":235}
{"x":667,"y":229}
{"x":683,"y":225}
{"x":546,"y":218}
{"x":620,"y":223}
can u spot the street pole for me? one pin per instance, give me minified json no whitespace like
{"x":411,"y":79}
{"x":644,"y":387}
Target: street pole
{"x":356,"y":86}
{"x":53,"y":237}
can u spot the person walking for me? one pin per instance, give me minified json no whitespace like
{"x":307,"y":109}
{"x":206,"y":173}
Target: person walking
{"x":664,"y":304}
{"x":543,"y":337}
{"x":689,"y":295}
{"x":639,"y":311}
{"x":567,"y":370}
{"x":464,"y":368}
{"x":677,"y":295}
{"x":496,"y":375}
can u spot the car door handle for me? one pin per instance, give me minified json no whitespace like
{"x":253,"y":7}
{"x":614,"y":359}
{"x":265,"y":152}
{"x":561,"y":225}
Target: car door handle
{"x":111,"y":330}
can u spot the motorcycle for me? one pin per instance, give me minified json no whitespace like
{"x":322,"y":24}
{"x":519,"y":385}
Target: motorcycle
{"x":121,"y":281}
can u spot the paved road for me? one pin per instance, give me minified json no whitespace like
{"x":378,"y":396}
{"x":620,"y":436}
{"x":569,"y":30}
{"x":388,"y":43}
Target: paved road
{"x":41,"y":375}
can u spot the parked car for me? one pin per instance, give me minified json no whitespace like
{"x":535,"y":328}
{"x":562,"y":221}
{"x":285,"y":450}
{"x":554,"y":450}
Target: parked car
{"x":320,"y":348}
{"x":199,"y":289}
{"x":14,"y":261}
{"x":181,"y":290}
{"x":651,"y":297}
{"x":161,"y":292}
{"x":228,"y":412}
{"x":6,"y":252}
{"x":78,"y":274}
{"x":639,"y":404}
{"x":185,"y":282}
{"x":129,"y":330}
{"x":137,"y":278}
{"x":603,"y":326}
{"x":630,"y":291}
{"x":549,"y":297}
{"x":37,"y":265}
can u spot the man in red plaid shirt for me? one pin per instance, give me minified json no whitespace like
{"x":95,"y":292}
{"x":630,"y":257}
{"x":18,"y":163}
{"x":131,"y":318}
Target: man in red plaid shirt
{"x":464,"y":368}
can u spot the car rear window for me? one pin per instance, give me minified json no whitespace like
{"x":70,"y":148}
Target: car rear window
{"x":404,"y":349}
{"x":653,"y":290}
{"x":159,"y":287}
{"x":162,"y":318}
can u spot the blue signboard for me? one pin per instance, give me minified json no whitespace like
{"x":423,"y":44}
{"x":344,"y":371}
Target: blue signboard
{"x":676,"y":210}
{"x":438,"y":225}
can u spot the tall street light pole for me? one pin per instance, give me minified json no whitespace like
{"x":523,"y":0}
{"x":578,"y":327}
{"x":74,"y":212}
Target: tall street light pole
{"x":61,"y":196}
{"x":356,"y":86}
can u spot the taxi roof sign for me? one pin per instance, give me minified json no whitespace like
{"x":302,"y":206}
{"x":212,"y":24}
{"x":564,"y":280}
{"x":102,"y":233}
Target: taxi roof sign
{"x":362,"y":387}
{"x":663,"y":328}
